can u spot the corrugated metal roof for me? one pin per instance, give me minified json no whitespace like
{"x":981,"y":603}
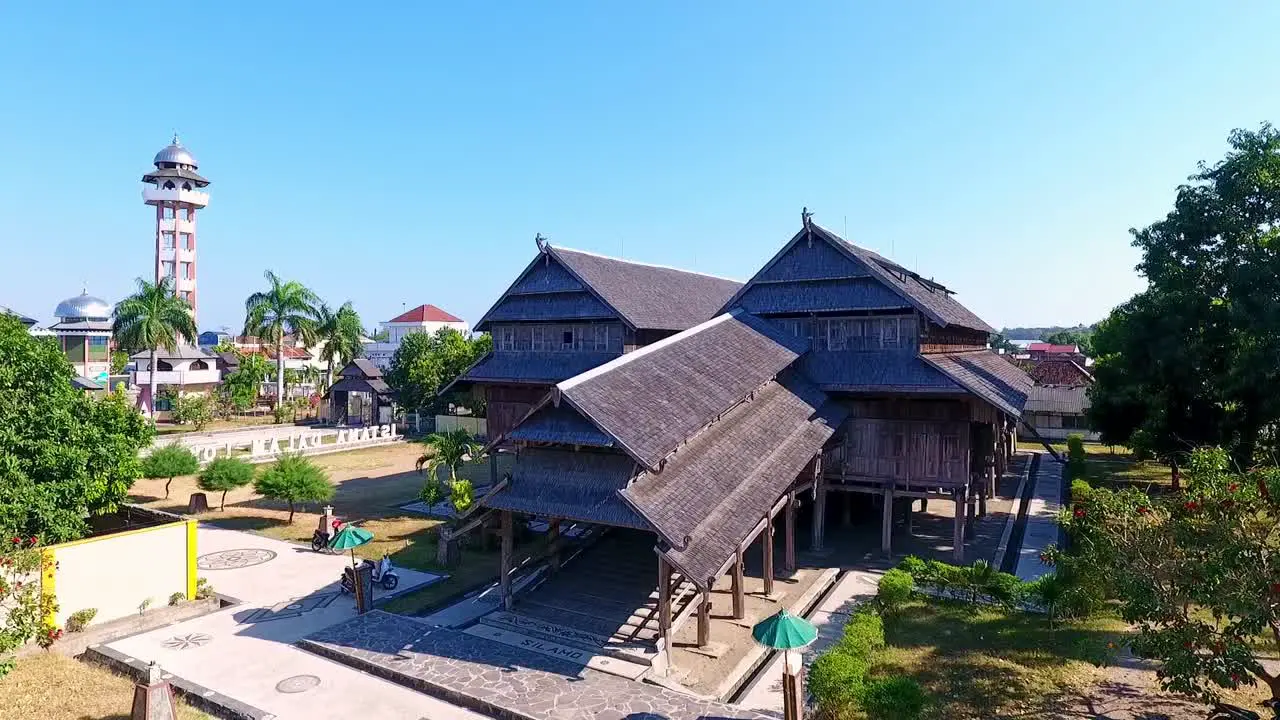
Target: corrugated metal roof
{"x":1060,"y":400}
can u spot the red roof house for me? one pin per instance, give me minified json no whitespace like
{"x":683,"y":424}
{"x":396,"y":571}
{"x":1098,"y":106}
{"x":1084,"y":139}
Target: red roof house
{"x":425,"y":313}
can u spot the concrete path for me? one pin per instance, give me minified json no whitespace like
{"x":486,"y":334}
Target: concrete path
{"x":857,"y":586}
{"x":246,"y":652}
{"x":1042,"y":522}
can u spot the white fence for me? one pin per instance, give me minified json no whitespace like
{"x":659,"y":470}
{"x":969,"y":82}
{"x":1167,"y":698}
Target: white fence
{"x":303,"y":442}
{"x":474,"y":425}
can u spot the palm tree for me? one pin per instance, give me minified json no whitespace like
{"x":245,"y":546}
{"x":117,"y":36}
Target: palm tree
{"x":450,"y":450}
{"x":287,"y":307}
{"x":152,"y":318}
{"x":340,"y":332}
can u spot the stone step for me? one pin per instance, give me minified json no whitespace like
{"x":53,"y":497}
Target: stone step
{"x":596,"y":660}
{"x":624,"y":626}
{"x":537,"y":627}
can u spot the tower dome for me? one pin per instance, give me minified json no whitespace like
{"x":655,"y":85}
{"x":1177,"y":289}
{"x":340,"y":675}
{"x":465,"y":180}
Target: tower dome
{"x":175,"y":154}
{"x":83,"y":305}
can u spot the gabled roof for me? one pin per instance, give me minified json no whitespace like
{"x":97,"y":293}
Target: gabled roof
{"x":577,"y":485}
{"x":21,"y":318}
{"x":930,"y":298}
{"x":538,"y":368}
{"x":711,"y":493}
{"x":645,"y":297}
{"x":360,"y":367}
{"x":425,"y":313}
{"x":1057,"y":371}
{"x":1052,"y":349}
{"x":987,"y":375}
{"x":651,"y":400}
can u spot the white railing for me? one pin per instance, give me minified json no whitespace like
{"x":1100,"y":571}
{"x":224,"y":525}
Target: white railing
{"x":178,"y":377}
{"x":195,"y":197}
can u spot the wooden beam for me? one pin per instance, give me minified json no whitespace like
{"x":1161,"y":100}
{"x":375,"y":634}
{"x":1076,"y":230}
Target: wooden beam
{"x":886,"y":522}
{"x":789,"y":540}
{"x":553,"y":544}
{"x":751,"y":536}
{"x":739,"y":591}
{"x":664,"y":606}
{"x":819,"y":514}
{"x":767,"y":536}
{"x":704,"y":617}
{"x":508,"y":545}
{"x":957,"y":532}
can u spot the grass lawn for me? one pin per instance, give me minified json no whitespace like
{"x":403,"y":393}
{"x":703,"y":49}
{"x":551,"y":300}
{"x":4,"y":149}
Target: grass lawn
{"x":55,"y":687}
{"x":371,"y":485}
{"x":1113,"y":467}
{"x":982,"y":662}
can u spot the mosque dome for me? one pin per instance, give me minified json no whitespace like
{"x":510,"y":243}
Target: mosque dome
{"x":175,"y":154}
{"x":83,"y":305}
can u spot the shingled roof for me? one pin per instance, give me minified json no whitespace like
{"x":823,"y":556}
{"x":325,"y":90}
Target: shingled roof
{"x":987,"y":375}
{"x":580,"y":485}
{"x":710,"y":494}
{"x":646,"y":297}
{"x":539,"y":368}
{"x":653,"y":399}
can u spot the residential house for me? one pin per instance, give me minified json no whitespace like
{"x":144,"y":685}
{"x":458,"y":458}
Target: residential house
{"x":423,"y":319}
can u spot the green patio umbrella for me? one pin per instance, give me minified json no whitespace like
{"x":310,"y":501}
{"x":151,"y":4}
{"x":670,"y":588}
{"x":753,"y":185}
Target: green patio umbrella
{"x":784,"y":631}
{"x":350,"y":538}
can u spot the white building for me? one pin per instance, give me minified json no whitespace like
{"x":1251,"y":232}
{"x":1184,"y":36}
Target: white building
{"x":422,"y":319}
{"x":175,"y":192}
{"x":84,"y":335}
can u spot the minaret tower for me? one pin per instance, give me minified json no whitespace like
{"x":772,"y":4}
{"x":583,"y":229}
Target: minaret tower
{"x":175,"y":192}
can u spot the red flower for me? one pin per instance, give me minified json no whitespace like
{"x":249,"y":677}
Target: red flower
{"x":1079,"y":512}
{"x":1188,"y":645}
{"x":1233,"y":487}
{"x":1235,"y":678}
{"x":1191,"y":505}
{"x":17,"y":541}
{"x":34,"y":539}
{"x":1142,"y":510}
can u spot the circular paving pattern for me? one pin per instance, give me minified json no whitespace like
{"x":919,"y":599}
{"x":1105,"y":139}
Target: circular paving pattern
{"x":184,"y":642}
{"x":297,"y":684}
{"x":234,"y":559}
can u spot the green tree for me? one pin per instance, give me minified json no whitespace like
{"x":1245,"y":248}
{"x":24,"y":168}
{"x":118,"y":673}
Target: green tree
{"x":24,"y":605}
{"x":339,"y":332}
{"x":450,"y":450}
{"x":1191,"y":360}
{"x":242,"y":385}
{"x":286,"y":307}
{"x":119,"y":359}
{"x":152,"y":318}
{"x":225,"y":474}
{"x":1080,"y":337}
{"x":1198,"y":574}
{"x":424,"y":364}
{"x":64,"y":456}
{"x":1001,"y":341}
{"x":169,"y":462}
{"x":294,"y":479}
{"x":193,"y":409}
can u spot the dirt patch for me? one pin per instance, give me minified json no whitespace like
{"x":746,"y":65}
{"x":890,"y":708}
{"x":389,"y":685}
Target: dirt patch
{"x":55,"y":687}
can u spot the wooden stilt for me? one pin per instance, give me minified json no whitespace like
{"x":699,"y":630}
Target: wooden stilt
{"x":971,"y":510}
{"x":664,"y":606}
{"x":907,"y":516}
{"x":958,"y":530}
{"x":924,"y":504}
{"x":767,"y":538}
{"x":819,"y":514}
{"x":739,"y":588}
{"x":886,"y":521}
{"x":508,"y":545}
{"x":846,"y":509}
{"x":704,"y":618}
{"x":553,"y":545}
{"x":789,"y":541}
{"x":982,"y":498}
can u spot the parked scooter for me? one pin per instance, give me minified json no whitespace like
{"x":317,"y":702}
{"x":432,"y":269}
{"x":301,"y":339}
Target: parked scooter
{"x":320,"y":540}
{"x":384,"y":574}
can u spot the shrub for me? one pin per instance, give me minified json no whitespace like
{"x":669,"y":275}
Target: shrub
{"x":1076,"y":456}
{"x":194,"y":410}
{"x":225,"y":474}
{"x":835,"y":680}
{"x":432,"y":491}
{"x":176,"y":598}
{"x":294,"y":479}
{"x":169,"y":462}
{"x":863,"y":634}
{"x":462,"y":495}
{"x":80,"y":619}
{"x":893,"y":698}
{"x":203,"y":589}
{"x":142,"y":606}
{"x":914,"y":566}
{"x":895,"y":589}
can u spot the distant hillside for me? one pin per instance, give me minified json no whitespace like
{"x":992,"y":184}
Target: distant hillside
{"x":1035,"y":333}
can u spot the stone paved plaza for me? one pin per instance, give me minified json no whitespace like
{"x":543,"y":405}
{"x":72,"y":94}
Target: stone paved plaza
{"x":500,"y":679}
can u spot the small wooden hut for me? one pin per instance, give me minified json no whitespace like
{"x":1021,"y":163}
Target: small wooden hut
{"x":360,"y":397}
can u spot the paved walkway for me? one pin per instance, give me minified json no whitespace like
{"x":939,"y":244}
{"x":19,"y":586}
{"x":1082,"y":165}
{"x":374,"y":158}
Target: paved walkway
{"x":494,"y":677}
{"x":1042,"y":518}
{"x":247,"y":652}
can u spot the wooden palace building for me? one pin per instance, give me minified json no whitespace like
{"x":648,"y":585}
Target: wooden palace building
{"x":704,"y":411}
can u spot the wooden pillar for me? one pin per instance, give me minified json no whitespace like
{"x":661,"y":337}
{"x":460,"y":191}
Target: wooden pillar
{"x":789,"y":541}
{"x":957,"y":534}
{"x":886,"y":521}
{"x":971,"y":510}
{"x":768,"y":552}
{"x":704,"y":618}
{"x":846,"y":509}
{"x":819,"y":514}
{"x":553,"y":545}
{"x":907,"y":516}
{"x":508,"y":543}
{"x":739,"y":589}
{"x":664,"y":605}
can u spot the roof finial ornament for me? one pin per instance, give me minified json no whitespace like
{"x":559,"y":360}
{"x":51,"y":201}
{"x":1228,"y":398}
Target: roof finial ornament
{"x":806,"y":219}
{"x":541,"y":242}
{"x":175,"y":138}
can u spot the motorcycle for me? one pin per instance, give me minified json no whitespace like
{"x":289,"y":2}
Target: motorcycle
{"x":1226,"y":711}
{"x":383,"y":573}
{"x":320,"y":539}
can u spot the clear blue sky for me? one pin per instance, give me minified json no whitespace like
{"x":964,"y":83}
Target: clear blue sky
{"x":408,"y":154}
